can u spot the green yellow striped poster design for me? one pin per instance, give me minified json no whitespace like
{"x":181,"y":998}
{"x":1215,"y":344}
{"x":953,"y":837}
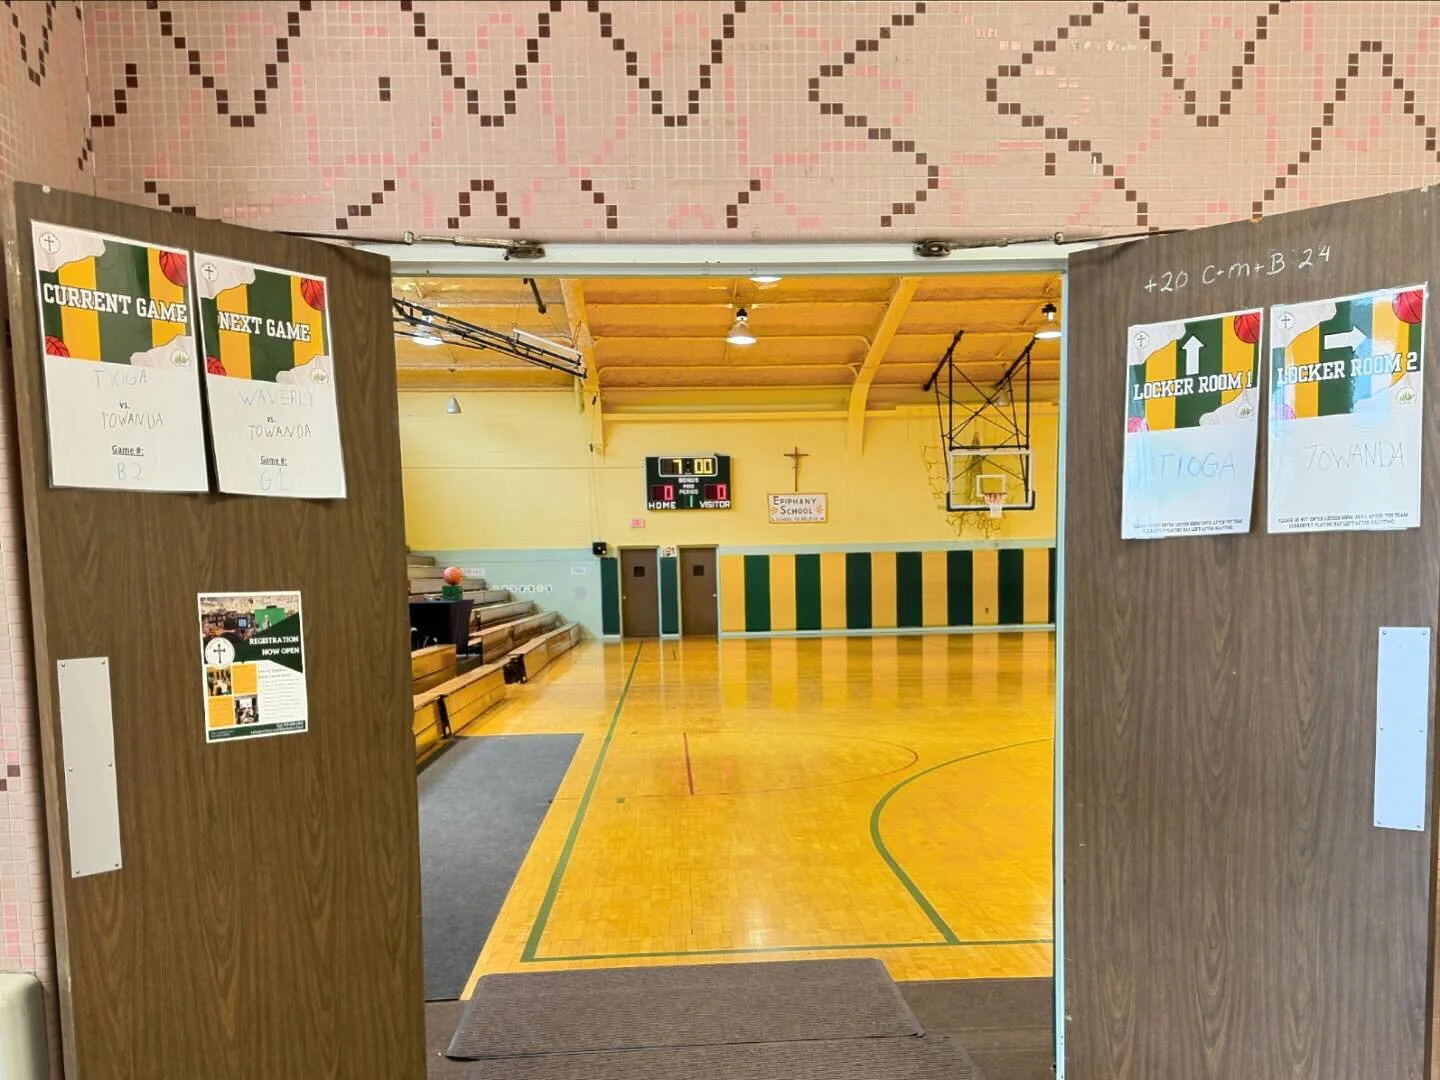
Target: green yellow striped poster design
{"x":887,"y":590}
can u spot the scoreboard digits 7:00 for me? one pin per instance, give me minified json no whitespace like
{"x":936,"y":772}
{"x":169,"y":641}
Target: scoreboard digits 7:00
{"x":688,"y":483}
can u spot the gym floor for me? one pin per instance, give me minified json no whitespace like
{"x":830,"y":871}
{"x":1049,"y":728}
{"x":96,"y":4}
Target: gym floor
{"x":812,"y":797}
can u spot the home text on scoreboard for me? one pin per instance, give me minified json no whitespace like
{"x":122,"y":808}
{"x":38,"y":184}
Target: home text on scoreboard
{"x":698,"y":482}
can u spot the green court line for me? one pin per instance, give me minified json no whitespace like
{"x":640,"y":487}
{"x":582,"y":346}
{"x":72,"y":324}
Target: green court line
{"x":914,"y":890}
{"x":532,"y":943}
{"x":951,"y":939}
{"x":760,"y":949}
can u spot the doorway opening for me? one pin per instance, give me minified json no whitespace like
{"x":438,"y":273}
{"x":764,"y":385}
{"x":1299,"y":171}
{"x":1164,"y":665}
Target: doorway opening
{"x":828,"y":629}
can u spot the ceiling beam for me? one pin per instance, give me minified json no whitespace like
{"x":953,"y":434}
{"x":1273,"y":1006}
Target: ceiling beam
{"x":900,"y":298}
{"x":572,"y":291}
{"x":437,"y":377}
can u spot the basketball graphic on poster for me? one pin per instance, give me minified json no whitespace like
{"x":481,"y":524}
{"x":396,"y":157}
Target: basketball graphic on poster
{"x":313,"y":293}
{"x":175,"y":267}
{"x":1247,"y":327}
{"x":1409,"y":306}
{"x":55,"y":347}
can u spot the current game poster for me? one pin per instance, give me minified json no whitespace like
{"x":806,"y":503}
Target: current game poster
{"x":252,"y":655}
{"x":1192,"y":413}
{"x":1346,"y":397}
{"x":122,"y":397}
{"x":270,"y":377}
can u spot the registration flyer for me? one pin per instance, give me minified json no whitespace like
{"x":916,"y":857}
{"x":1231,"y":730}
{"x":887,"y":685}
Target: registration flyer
{"x":122,"y":393}
{"x":270,"y":380}
{"x":252,"y":654}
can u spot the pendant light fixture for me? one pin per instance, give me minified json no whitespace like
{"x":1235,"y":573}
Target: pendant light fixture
{"x":1050,"y":331}
{"x":453,"y":406}
{"x":740,"y":333}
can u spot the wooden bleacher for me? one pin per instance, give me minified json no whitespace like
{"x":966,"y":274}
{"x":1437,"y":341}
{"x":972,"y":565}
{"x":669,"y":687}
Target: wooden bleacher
{"x":498,"y":639}
{"x":425,"y":582}
{"x":529,"y":659}
{"x":430,"y":667}
{"x":428,"y":725}
{"x":514,"y":641}
{"x":490,"y":614}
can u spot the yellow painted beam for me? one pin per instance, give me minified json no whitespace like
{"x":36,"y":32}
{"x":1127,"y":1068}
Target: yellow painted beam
{"x":900,"y":299}
{"x":1037,"y":586}
{"x":578,"y":320}
{"x":732,"y":593}
{"x":935,"y":594}
{"x":782,"y":592}
{"x":986,"y":586}
{"x":882,"y":590}
{"x":832,"y":590}
{"x":439,"y":377}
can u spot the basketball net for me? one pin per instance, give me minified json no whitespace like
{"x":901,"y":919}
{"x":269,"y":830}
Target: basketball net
{"x":995,"y":500}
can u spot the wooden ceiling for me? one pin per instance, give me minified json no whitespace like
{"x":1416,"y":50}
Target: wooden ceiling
{"x":815,"y":335}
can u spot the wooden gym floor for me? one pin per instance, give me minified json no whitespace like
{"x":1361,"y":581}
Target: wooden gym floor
{"x":733,"y":800}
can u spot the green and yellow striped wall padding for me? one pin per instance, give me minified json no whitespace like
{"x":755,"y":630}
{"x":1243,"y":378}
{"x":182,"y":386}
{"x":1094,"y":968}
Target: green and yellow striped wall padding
{"x":887,"y":590}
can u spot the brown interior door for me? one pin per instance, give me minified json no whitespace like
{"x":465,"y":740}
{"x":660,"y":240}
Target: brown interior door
{"x":265,"y":918}
{"x":699,"y":597}
{"x":1230,"y":907}
{"x":639,"y":593}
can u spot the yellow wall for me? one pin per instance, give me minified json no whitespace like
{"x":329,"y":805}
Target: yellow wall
{"x":514,"y":471}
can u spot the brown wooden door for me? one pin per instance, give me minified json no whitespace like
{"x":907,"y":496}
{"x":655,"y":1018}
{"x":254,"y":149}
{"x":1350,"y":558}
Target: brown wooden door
{"x":639,"y":593}
{"x":265,"y":919}
{"x":699,"y":596}
{"x":1230,"y":908}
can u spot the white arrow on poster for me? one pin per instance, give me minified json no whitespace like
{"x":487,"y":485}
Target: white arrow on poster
{"x":1192,"y":407}
{"x":1346,"y":412}
{"x":270,"y":380}
{"x":122,"y":393}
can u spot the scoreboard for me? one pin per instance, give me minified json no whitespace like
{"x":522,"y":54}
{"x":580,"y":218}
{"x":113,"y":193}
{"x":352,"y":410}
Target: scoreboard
{"x":687,"y":483}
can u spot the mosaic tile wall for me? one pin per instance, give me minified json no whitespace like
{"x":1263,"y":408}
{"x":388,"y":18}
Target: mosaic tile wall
{"x":758,"y":119}
{"x":667,"y":120}
{"x":42,"y":75}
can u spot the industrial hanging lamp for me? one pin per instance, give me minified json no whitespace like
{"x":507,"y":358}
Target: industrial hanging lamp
{"x":1051,"y":330}
{"x":740,"y":333}
{"x":453,"y":406}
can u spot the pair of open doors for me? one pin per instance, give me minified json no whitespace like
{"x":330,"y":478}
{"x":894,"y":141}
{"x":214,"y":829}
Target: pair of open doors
{"x":1226,"y":906}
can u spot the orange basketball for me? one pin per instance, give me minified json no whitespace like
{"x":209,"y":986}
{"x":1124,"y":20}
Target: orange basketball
{"x":55,"y":347}
{"x":175,"y":267}
{"x":1409,"y":306}
{"x":1247,"y":327}
{"x":452,"y":575}
{"x":313,"y":293}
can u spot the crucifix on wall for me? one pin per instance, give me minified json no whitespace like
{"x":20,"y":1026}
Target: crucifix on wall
{"x":795,"y":455}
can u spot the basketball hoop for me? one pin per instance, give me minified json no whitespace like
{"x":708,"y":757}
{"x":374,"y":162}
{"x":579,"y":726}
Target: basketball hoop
{"x":995,"y":501}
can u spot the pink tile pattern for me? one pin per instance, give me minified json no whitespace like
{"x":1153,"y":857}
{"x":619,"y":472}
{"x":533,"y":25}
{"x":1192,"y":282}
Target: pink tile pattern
{"x":661,"y":120}
{"x":44,"y":137}
{"x":673,"y":120}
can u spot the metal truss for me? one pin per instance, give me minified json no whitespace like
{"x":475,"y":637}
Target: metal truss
{"x":425,"y":324}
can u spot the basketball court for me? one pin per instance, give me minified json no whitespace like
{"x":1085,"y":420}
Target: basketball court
{"x":817,"y":732}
